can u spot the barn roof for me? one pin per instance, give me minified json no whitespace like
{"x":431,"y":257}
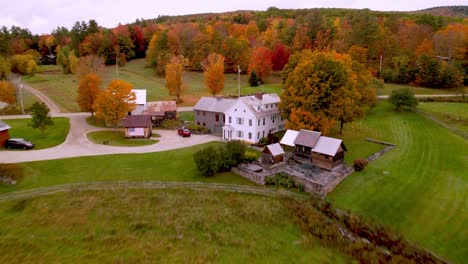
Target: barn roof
{"x":140,"y":95}
{"x":156,"y":108}
{"x":307,"y":138}
{"x":275,"y":149}
{"x":328,"y":146}
{"x":289,"y":138}
{"x":136,"y":121}
{"x":214,"y":104}
{"x":4,"y":126}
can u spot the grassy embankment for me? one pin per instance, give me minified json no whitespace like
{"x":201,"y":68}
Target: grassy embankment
{"x":53,"y":135}
{"x":117,"y":138}
{"x":454,"y":114}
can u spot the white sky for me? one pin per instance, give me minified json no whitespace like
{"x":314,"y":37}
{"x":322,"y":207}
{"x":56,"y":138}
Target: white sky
{"x":42,"y":16}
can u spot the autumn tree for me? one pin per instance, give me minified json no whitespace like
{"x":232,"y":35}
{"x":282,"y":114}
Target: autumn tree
{"x":214,"y":73}
{"x":5,"y":68}
{"x":174,"y":73}
{"x":88,"y":91}
{"x":115,"y":102}
{"x":23,"y":64}
{"x":7,"y":92}
{"x":89,"y":64}
{"x":279,"y":57}
{"x":322,"y":88}
{"x":261,"y":63}
{"x":67,"y":59}
{"x":40,"y":116}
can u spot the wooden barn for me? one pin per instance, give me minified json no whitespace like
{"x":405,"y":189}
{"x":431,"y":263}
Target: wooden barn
{"x":328,"y":153}
{"x":137,"y":126}
{"x":4,"y":136}
{"x":272,"y":154}
{"x":304,"y":143}
{"x":160,"y":111}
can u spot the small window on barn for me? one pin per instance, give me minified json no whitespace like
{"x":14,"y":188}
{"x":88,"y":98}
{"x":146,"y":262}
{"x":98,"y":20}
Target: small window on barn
{"x":204,"y":113}
{"x":217,"y":118}
{"x":204,"y":124}
{"x":132,"y":129}
{"x":198,"y":123}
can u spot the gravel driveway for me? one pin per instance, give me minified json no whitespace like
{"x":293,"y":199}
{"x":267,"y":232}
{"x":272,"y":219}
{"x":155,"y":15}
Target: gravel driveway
{"x":78,"y":145}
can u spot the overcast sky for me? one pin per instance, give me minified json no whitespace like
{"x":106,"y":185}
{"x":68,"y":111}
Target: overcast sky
{"x":42,"y":16}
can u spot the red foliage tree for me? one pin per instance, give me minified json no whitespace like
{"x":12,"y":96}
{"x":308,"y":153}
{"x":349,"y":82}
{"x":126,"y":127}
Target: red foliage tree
{"x":260,"y":62}
{"x":280,"y":57}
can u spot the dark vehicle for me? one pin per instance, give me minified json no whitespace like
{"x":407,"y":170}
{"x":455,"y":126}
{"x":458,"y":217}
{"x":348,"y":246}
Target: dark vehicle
{"x":184,"y":132}
{"x":18,"y":143}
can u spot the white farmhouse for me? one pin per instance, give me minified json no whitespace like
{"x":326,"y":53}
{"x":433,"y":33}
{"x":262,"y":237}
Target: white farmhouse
{"x":248,"y":118}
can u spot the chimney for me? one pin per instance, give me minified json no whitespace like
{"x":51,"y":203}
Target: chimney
{"x":259,"y":96}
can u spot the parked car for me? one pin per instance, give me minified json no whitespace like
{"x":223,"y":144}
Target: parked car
{"x":184,"y":132}
{"x":19,"y":143}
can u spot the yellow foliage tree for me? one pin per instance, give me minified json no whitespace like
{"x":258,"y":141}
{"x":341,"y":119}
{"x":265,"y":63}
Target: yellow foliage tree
{"x":174,"y":73}
{"x":214,"y":73}
{"x":88,"y":92}
{"x":7,"y":92}
{"x":115,"y":102}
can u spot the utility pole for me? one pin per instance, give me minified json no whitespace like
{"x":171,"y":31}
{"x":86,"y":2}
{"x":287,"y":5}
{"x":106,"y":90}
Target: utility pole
{"x":21,"y":97}
{"x":380,"y":67}
{"x":238,"y":78}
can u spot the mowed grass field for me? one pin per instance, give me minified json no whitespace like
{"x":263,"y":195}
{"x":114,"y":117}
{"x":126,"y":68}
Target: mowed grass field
{"x":117,"y":138}
{"x":53,"y":135}
{"x":389,"y":87}
{"x":420,"y":188}
{"x":153,"y":226}
{"x":62,"y":87}
{"x":454,"y":114}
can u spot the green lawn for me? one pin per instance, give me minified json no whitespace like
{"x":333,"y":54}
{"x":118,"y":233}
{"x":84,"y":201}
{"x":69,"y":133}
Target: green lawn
{"x":454,"y":114}
{"x":174,"y":165}
{"x":389,"y":87}
{"x":186,"y":116}
{"x":53,"y":136}
{"x":94,"y":121}
{"x":420,"y":188}
{"x":134,"y":226}
{"x":117,"y":138}
{"x":62,"y":87}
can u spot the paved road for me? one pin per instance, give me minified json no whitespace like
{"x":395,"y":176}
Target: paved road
{"x":77,"y":144}
{"x":52,"y":106}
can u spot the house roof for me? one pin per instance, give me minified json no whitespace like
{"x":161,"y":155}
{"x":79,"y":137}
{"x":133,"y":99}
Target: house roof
{"x":289,"y":138}
{"x":307,"y":138}
{"x":253,"y":101}
{"x":275,"y":149}
{"x":136,"y":121}
{"x":160,"y":107}
{"x":4,"y":126}
{"x":214,"y":104}
{"x":140,"y":95}
{"x":327,"y":145}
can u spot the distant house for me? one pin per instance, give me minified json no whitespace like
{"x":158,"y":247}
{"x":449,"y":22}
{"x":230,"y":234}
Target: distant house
{"x":137,"y":126}
{"x":48,"y":59}
{"x":324,"y":152}
{"x":272,"y":154}
{"x":160,"y":111}
{"x":4,"y":136}
{"x":248,"y":118}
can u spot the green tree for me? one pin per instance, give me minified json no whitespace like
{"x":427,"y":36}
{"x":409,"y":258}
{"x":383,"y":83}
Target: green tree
{"x":207,"y":161}
{"x":403,"y":97}
{"x":67,"y":59}
{"x":40,"y":116}
{"x":253,"y":79}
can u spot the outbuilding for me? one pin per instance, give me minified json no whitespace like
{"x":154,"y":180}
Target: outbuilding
{"x":272,"y":154}
{"x":4,"y":136}
{"x":137,"y":126}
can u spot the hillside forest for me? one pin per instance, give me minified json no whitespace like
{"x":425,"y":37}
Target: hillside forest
{"x":398,"y":47}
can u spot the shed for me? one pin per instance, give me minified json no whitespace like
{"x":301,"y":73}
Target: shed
{"x":4,"y":136}
{"x":160,"y":111}
{"x":272,"y":154}
{"x":304,"y":143}
{"x":328,"y":153}
{"x":137,"y":126}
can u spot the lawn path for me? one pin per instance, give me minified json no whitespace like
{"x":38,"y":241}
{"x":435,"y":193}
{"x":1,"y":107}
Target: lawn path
{"x":117,"y":185}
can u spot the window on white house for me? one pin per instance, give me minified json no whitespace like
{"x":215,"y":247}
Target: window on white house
{"x":250,"y":122}
{"x":230,"y":120}
{"x":250,"y":135}
{"x":263,"y":121}
{"x":240,"y":121}
{"x":239,"y":134}
{"x":258,"y":135}
{"x":259,"y":122}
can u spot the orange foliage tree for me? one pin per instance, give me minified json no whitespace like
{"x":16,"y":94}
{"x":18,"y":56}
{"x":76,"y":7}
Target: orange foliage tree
{"x":115,"y":102}
{"x":322,"y":88}
{"x":174,"y":73}
{"x":261,"y":63}
{"x":88,"y":91}
{"x":7,"y":92}
{"x":214,"y":73}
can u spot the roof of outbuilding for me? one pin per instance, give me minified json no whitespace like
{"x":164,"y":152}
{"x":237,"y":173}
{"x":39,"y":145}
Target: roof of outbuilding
{"x":275,"y":149}
{"x":161,"y":106}
{"x":327,"y":145}
{"x":136,"y":121}
{"x":214,"y":104}
{"x":4,"y":126}
{"x":140,"y":96}
{"x":289,"y":138}
{"x":307,"y":138}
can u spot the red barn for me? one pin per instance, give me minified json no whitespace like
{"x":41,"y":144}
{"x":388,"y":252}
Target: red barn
{"x":4,"y":136}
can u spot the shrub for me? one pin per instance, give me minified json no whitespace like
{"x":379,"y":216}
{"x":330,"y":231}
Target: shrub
{"x":360,"y":164}
{"x":11,"y":172}
{"x":301,"y":187}
{"x":170,"y":124}
{"x":403,"y":97}
{"x":207,"y":161}
{"x":282,"y":180}
{"x":211,"y":160}
{"x":249,"y":157}
{"x":197,"y":128}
